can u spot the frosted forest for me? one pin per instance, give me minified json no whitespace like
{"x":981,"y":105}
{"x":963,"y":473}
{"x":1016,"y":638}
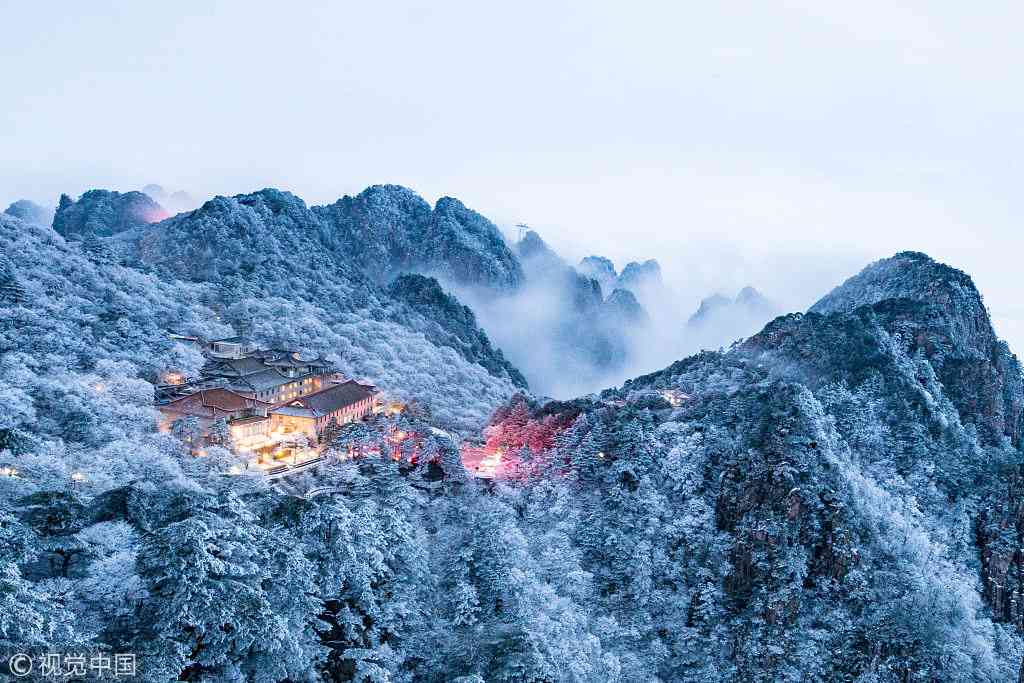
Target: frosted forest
{"x":831,"y":495}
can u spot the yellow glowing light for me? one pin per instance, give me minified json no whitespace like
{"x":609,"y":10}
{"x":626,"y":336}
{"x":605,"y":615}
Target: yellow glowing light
{"x":99,"y":387}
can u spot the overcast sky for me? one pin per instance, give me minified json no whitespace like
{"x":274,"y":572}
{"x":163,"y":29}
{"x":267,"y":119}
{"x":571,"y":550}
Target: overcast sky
{"x":780,"y":144}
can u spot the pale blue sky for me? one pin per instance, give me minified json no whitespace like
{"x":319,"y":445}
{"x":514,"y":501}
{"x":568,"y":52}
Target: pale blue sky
{"x":782,"y":144}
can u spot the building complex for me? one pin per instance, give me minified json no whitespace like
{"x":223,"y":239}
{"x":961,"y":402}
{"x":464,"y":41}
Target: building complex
{"x":273,"y":402}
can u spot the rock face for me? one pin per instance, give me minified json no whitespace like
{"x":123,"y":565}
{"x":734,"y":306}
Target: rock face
{"x":470,"y":248}
{"x":387,"y":230}
{"x":936,"y":310}
{"x":456,"y":325}
{"x":640,"y":278}
{"x":601,"y":269}
{"x":538,"y":258}
{"x":30,"y":212}
{"x":545,"y":269}
{"x":623,"y":306}
{"x":104,"y":213}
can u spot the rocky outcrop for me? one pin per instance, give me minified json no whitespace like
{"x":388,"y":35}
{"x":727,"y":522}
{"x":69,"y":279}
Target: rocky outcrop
{"x":933,"y":309}
{"x":104,"y":213}
{"x":30,"y":212}
{"x":640,"y":278}
{"x":601,"y":269}
{"x":456,"y":326}
{"x":622,"y":306}
{"x":387,"y":230}
{"x":465,"y":246}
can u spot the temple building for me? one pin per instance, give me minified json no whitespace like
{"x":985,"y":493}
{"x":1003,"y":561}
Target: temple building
{"x":271,"y":376}
{"x":208,"y":406}
{"x":268,"y":397}
{"x":334,"y":406}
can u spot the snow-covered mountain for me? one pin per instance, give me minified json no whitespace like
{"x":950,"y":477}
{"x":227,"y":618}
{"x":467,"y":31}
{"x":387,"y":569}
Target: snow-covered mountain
{"x":601,"y":269}
{"x":833,"y":499}
{"x":256,"y":261}
{"x":836,"y":498}
{"x":386,"y":230}
{"x":643,"y":279}
{"x":103,"y":213}
{"x":30,"y":212}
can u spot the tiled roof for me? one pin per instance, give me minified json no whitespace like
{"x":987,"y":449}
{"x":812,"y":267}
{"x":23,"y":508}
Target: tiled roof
{"x":294,"y":411}
{"x":265,"y":379}
{"x":208,"y":401}
{"x":286,"y":361}
{"x":332,"y":398}
{"x":235,"y":367}
{"x":250,"y":420}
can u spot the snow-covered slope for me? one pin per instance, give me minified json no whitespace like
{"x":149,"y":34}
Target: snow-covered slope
{"x":386,"y":230}
{"x":103,"y":213}
{"x":253,"y":259}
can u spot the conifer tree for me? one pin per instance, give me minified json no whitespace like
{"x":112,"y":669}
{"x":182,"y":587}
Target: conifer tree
{"x":11,"y":290}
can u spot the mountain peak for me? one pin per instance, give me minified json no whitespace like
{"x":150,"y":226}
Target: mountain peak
{"x":600,"y":269}
{"x":386,"y":230}
{"x":749,"y":294}
{"x":532,"y":244}
{"x":624,"y":305}
{"x":538,"y":259}
{"x":907,"y":275}
{"x":278,"y":201}
{"x":923,"y":308}
{"x":636,"y":270}
{"x":708,"y":306}
{"x":30,"y":212}
{"x":104,"y":213}
{"x":916,"y":277}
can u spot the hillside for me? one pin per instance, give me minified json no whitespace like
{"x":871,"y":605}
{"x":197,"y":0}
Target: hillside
{"x":273,"y":272}
{"x":386,"y":230}
{"x":30,"y":212}
{"x":834,"y":499}
{"x":229,"y":263}
{"x":826,"y":501}
{"x":103,"y":213}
